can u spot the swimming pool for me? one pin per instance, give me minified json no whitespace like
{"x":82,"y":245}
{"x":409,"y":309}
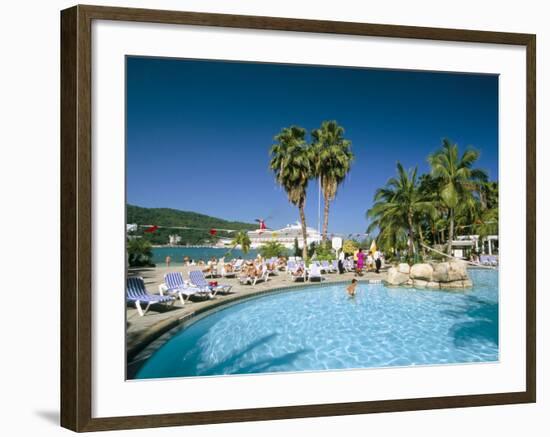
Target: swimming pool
{"x":321,"y":328}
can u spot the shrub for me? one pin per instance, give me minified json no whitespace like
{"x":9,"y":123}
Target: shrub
{"x":297,"y":250}
{"x":140,"y":253}
{"x":273,"y":249}
{"x":325,"y":252}
{"x":350,"y":246}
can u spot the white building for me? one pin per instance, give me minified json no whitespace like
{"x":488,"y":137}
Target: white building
{"x":486,"y":246}
{"x":174,"y":240}
{"x":284,"y":236}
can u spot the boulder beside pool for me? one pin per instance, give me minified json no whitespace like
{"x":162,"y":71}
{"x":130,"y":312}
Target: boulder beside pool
{"x":395,"y":277}
{"x":449,"y":275}
{"x":423,"y":272}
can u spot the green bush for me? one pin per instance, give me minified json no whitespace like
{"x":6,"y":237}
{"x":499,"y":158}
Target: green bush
{"x":350,"y":247}
{"x":140,"y":253}
{"x":297,"y":250}
{"x":311,"y":250}
{"x":325,"y":252}
{"x":273,"y":249}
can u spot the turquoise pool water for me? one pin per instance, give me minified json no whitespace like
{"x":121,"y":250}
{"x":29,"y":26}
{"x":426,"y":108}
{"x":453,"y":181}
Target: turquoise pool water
{"x":322,"y":328}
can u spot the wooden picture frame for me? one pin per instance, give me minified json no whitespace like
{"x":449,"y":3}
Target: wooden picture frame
{"x":76,"y":217}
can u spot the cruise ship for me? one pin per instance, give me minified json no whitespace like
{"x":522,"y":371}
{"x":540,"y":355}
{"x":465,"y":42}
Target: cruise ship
{"x":284,"y":236}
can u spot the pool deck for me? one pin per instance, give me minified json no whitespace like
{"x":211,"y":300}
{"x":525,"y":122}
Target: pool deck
{"x":140,"y":331}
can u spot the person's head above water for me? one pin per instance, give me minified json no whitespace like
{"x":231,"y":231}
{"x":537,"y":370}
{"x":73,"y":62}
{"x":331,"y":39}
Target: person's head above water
{"x":353,"y":281}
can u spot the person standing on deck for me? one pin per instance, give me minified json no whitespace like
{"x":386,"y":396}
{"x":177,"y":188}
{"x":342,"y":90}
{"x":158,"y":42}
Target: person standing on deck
{"x":360,"y":263}
{"x":377,"y":260}
{"x":341,"y":258}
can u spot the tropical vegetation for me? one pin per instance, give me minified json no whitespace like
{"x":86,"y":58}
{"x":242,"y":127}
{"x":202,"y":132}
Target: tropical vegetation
{"x":324,"y":251}
{"x":332,"y":158}
{"x":398,"y":206}
{"x":350,"y":247}
{"x":458,"y":180}
{"x":140,"y":253}
{"x":413,"y":211}
{"x":171,"y":222}
{"x":292,"y":165}
{"x":273,"y":249}
{"x":241,"y":239}
{"x":295,"y":162}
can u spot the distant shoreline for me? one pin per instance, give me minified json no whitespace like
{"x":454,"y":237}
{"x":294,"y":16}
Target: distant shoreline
{"x":177,"y":253}
{"x":179,"y":246}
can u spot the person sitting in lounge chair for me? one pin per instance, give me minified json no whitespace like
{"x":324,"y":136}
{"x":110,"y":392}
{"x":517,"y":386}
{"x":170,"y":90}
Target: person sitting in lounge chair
{"x":271,"y":266}
{"x":210,"y":269}
{"x":299,"y":273}
{"x":252,"y":273}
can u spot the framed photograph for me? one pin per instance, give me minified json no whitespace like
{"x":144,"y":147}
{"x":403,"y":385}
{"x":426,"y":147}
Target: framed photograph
{"x":268,"y":218}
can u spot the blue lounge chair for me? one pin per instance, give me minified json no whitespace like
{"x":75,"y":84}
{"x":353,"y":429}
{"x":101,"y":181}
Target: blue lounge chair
{"x":198,"y":280}
{"x":175,"y":285}
{"x":137,"y":294}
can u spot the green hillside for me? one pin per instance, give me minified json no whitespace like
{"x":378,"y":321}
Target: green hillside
{"x":174,"y":217}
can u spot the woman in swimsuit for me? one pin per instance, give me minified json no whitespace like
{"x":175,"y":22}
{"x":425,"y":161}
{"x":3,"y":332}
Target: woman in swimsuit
{"x":360,"y":262}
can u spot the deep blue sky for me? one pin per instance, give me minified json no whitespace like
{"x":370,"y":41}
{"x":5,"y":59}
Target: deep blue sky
{"x":199,"y":132}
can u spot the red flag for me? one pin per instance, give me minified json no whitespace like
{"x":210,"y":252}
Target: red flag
{"x":213,"y":232}
{"x":152,"y":229}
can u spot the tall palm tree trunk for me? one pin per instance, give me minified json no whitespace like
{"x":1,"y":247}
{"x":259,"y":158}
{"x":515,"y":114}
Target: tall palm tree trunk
{"x":411,"y":235}
{"x":421,"y":239}
{"x":451,"y":230}
{"x":325,"y":218}
{"x":304,"y":230}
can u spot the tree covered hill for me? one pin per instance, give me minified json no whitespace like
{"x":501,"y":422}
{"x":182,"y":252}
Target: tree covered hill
{"x":173,"y":217}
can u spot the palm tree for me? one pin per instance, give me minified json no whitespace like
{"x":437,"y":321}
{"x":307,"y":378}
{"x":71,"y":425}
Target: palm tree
{"x":242,"y":239}
{"x":398,"y":205}
{"x":457,"y":179}
{"x":332,"y":158}
{"x":292,"y":165}
{"x":487,"y":222}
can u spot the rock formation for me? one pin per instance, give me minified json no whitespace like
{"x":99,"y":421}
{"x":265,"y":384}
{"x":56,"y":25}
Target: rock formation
{"x":449,"y":275}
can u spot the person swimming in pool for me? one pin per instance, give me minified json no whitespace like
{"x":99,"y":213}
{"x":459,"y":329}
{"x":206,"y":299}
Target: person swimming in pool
{"x":351,"y":288}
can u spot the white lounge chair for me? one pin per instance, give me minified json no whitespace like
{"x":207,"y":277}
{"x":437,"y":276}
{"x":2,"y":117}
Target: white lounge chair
{"x":314,"y":272}
{"x":238,"y":265}
{"x":222,"y":271}
{"x":253,"y":280}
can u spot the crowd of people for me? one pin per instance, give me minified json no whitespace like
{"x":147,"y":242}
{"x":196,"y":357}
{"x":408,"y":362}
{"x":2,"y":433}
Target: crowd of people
{"x":362,"y":262}
{"x":359,"y":262}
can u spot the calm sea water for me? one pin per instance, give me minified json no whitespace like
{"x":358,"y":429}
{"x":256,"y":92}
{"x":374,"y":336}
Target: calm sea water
{"x":321,"y":328}
{"x":196,"y":253}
